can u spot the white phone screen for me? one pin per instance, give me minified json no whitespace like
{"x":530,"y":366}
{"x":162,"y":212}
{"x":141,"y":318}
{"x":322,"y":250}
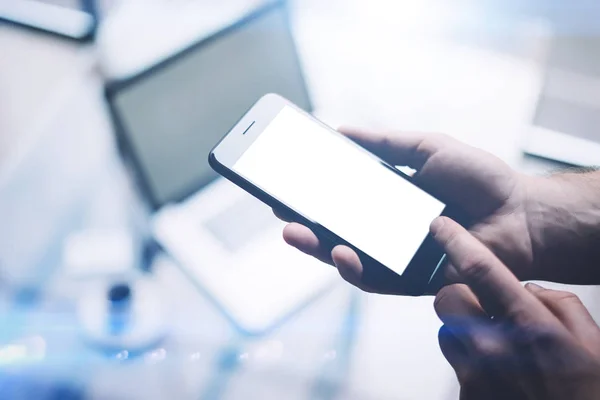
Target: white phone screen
{"x":332,"y":182}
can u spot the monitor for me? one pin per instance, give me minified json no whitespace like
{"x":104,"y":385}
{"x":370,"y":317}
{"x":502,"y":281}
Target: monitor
{"x":170,"y":116}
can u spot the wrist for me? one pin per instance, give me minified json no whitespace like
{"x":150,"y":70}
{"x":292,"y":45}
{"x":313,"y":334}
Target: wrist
{"x":563,"y":218}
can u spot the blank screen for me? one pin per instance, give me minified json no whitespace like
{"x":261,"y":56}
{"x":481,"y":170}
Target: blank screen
{"x":174,"y":116}
{"x":334,"y":183}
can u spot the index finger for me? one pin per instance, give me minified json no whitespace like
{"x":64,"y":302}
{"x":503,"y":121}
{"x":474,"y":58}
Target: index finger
{"x":499,"y":291}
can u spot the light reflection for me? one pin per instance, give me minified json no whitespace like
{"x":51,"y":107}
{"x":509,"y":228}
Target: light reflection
{"x":12,"y":354}
{"x":122,"y":355}
{"x":156,"y":356}
{"x":268,"y":352}
{"x":36,"y":347}
{"x":24,"y":350}
{"x":330,"y":355}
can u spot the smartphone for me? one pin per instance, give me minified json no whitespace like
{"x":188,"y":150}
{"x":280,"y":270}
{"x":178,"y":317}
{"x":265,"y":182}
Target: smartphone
{"x":346,"y":195}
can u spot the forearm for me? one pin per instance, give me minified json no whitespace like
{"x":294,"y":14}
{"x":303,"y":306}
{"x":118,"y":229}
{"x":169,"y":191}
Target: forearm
{"x":563,"y":213}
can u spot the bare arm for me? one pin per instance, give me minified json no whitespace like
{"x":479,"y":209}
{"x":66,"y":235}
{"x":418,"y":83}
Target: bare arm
{"x":544,"y":228}
{"x":563,"y":213}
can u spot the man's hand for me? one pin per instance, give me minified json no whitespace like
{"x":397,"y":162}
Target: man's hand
{"x":486,"y":189}
{"x":509,"y":342}
{"x":533,"y":224}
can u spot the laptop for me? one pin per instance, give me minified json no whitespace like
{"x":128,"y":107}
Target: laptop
{"x":565,"y":124}
{"x":168,"y":118}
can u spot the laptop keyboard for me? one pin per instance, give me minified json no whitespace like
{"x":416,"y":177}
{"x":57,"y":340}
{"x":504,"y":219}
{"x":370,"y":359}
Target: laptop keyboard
{"x":240,"y":223}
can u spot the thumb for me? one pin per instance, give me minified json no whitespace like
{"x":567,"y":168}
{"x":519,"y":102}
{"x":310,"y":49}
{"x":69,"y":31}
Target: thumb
{"x":410,"y":149}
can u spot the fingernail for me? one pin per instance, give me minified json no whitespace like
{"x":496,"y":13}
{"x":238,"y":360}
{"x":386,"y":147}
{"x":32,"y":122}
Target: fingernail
{"x":534,"y":288}
{"x":437,"y":225}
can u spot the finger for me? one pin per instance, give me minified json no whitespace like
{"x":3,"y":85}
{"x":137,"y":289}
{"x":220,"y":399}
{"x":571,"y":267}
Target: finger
{"x":475,"y":380}
{"x":306,"y":241}
{"x":446,"y":276}
{"x":456,"y":354}
{"x":486,"y":383}
{"x":351,"y":270}
{"x":350,"y":267}
{"x":348,"y":263}
{"x":569,"y":309}
{"x":460,"y":311}
{"x":497,"y":289}
{"x":451,"y":274}
{"x":456,"y":304}
{"x":411,"y":149}
{"x":282,"y":215}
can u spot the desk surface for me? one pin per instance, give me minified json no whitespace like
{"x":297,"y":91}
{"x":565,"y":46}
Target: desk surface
{"x":364,"y":68}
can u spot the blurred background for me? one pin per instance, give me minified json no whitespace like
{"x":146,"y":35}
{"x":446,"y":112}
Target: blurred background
{"x":127,"y":270}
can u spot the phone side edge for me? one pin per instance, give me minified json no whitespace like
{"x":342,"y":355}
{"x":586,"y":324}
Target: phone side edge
{"x":254,"y":191}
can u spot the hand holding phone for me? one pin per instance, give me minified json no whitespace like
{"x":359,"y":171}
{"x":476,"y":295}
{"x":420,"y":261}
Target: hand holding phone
{"x":343,"y":193}
{"x":481,"y":187}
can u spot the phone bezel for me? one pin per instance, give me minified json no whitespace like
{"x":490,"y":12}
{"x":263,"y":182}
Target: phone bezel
{"x":417,"y":275}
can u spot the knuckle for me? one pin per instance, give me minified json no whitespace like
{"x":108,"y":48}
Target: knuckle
{"x":427,"y":145}
{"x":562,"y":297}
{"x":435,"y":141}
{"x":450,"y":237}
{"x":386,"y":141}
{"x":535,"y":335}
{"x":443,"y":296}
{"x":475,"y":269}
{"x":520,"y":316}
{"x":538,"y":337}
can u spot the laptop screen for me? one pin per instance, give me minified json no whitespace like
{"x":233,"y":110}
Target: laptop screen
{"x":570,"y":99}
{"x":172,"y":116}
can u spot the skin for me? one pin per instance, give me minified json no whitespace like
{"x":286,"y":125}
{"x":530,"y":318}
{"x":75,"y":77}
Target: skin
{"x":544,"y":228}
{"x":504,"y":341}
